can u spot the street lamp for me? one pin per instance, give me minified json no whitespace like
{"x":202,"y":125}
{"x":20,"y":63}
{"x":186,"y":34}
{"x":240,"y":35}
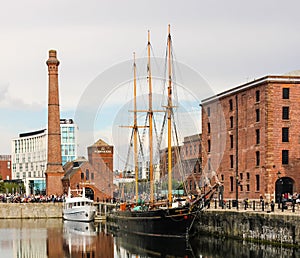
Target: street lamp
{"x":279,"y":188}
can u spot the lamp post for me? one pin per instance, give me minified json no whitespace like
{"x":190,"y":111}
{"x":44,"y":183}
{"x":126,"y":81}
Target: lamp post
{"x":279,"y":188}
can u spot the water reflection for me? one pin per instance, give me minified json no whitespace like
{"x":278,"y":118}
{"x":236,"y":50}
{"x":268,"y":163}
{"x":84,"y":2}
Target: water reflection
{"x":55,"y":238}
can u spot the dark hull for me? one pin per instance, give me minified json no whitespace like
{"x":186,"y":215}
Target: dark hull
{"x":173,"y":222}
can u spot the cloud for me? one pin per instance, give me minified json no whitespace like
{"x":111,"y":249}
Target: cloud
{"x":7,"y":101}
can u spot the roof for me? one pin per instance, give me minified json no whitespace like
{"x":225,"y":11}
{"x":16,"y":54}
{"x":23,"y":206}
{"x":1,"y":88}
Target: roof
{"x":100,"y":142}
{"x":249,"y":85}
{"x":73,"y":166}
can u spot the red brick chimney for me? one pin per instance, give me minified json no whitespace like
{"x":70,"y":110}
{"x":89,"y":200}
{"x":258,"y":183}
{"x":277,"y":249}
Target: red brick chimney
{"x":54,"y":172}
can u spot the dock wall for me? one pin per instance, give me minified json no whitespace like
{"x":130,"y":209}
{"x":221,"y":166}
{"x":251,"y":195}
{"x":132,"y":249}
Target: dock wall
{"x":262,"y":227}
{"x":30,"y":210}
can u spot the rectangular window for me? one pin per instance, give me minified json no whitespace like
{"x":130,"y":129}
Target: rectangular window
{"x":257,"y":111}
{"x":209,"y":164}
{"x":248,"y":188}
{"x":257,"y":182}
{"x":257,"y":154}
{"x":286,"y":93}
{"x":248,"y":176}
{"x":231,"y":122}
{"x":231,"y":183}
{"x":285,"y":134}
{"x":241,"y":176}
{"x":285,"y":113}
{"x":230,"y":105}
{"x":257,"y":96}
{"x":208,"y":111}
{"x":208,"y":127}
{"x":208,"y":145}
{"x":257,"y":134}
{"x":231,"y":161}
{"x":285,"y":157}
{"x":231,"y":141}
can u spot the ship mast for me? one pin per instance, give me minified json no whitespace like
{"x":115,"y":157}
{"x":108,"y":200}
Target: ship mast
{"x":169,"y":110}
{"x":150,"y":113}
{"x":135,"y":132}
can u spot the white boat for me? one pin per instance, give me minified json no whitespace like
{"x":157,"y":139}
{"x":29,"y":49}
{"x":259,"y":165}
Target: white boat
{"x":79,"y":208}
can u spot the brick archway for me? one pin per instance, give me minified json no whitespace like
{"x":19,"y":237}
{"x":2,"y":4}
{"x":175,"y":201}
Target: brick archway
{"x":282,"y":186}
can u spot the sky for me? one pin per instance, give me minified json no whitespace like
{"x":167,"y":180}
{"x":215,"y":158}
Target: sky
{"x":220,"y":44}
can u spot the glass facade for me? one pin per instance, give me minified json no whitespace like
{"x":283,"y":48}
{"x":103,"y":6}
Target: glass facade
{"x":29,"y":155}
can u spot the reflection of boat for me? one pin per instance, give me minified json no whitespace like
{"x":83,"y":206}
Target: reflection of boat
{"x":80,"y":228}
{"x":164,"y":218}
{"x":80,"y":237}
{"x":78,"y":208}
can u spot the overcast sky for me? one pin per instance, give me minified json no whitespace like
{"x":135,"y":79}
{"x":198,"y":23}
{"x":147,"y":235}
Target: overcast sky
{"x":227,"y":42}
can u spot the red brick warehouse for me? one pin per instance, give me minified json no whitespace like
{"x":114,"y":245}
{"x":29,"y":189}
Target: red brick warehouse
{"x":250,"y":138}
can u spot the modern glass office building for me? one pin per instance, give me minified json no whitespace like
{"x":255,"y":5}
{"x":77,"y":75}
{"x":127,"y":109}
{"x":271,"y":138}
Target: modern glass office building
{"x":29,"y":155}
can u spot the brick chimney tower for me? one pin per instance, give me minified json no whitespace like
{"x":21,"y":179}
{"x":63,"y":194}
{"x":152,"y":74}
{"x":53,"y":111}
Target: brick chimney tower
{"x":54,"y":172}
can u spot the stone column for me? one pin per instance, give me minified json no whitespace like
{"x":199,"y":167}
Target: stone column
{"x":54,"y":172}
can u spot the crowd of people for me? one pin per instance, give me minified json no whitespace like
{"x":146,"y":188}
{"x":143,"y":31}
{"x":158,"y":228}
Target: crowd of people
{"x":23,"y":198}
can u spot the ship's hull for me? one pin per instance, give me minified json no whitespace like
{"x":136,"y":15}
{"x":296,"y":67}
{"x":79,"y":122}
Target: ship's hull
{"x":172,"y":222}
{"x":83,"y":213}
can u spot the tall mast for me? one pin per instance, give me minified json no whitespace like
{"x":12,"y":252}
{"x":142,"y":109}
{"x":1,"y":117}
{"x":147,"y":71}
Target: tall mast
{"x":135,"y":131}
{"x":169,"y":109}
{"x":150,"y":113}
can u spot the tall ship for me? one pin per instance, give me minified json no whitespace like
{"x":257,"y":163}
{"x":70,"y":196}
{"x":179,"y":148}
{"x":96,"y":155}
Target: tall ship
{"x":169,"y":217}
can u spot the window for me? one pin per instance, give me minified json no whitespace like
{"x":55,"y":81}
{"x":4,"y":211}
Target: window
{"x":82,"y":176}
{"x":285,"y":113}
{"x":257,"y":154}
{"x":248,"y":187}
{"x":208,"y":145}
{"x":92,"y":176}
{"x":241,"y":176}
{"x":231,"y":141}
{"x":231,"y":183}
{"x":230,"y":105}
{"x":285,"y":134}
{"x":231,"y":161}
{"x":222,"y":177}
{"x":257,"y":134}
{"x":257,"y":111}
{"x":208,"y":111}
{"x":248,"y":176}
{"x":208,"y":127}
{"x":209,"y":164}
{"x":257,"y":182}
{"x":285,"y":157}
{"x":286,"y":93}
{"x":231,"y":122}
{"x":257,"y":96}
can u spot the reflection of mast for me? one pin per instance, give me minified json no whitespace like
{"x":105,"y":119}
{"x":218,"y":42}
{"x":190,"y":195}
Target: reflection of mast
{"x":169,"y":110}
{"x":135,"y":132}
{"x":150,"y":113}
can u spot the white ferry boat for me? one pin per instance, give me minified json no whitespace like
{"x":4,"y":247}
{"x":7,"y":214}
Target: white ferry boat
{"x":79,"y":208}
